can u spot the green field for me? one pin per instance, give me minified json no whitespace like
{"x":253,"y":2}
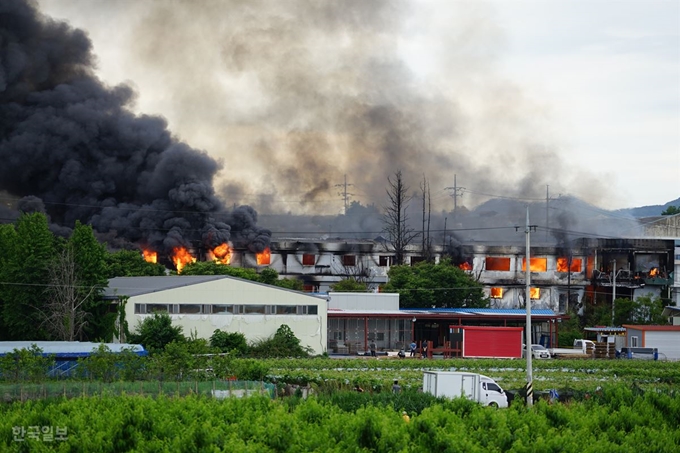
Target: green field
{"x":614,"y":419}
{"x":612,"y":406}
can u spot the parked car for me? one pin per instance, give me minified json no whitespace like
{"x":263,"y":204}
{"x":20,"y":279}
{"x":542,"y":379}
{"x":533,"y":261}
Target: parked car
{"x":538,"y":351}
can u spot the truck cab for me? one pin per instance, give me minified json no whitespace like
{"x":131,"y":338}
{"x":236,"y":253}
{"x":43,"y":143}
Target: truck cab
{"x":583,"y":345}
{"x":492,"y":393}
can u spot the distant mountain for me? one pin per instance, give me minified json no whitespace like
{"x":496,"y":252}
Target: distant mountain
{"x":649,"y":211}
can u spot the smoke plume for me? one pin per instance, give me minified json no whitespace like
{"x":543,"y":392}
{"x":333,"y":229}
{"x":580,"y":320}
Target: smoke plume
{"x":72,"y":145}
{"x":295,"y":94}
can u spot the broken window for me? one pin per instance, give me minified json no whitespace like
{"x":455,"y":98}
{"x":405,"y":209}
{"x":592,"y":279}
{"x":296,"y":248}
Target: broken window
{"x":535,"y":264}
{"x":308,"y":260}
{"x":497,"y":264}
{"x":385,"y":261}
{"x":496,"y":293}
{"x":535,"y":293}
{"x":349,"y":260}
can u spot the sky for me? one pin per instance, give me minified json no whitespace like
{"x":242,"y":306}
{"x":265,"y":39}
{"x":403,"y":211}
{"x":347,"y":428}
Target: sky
{"x":514,"y":98}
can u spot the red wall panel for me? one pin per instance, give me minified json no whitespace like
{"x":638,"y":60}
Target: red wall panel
{"x":492,"y":341}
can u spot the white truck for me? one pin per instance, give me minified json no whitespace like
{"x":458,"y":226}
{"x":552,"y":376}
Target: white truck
{"x":473,"y":386}
{"x":581,"y":348}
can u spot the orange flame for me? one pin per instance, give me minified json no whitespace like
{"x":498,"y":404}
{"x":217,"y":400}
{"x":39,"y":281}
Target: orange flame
{"x":264,"y":257}
{"x":563,"y":265}
{"x":535,"y":293}
{"x":535,"y":264}
{"x":222,"y":253}
{"x":181,"y":257}
{"x":654,"y":272}
{"x":496,"y":293}
{"x":150,"y":256}
{"x":466,"y":266}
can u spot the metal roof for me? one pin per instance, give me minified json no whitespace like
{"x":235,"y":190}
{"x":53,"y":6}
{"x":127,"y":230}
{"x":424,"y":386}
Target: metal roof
{"x":605,"y":329}
{"x":484,"y":311}
{"x":653,"y":328}
{"x":134,"y":286}
{"x":70,"y":348}
{"x":471,"y":312}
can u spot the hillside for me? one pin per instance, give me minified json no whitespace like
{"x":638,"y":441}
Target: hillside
{"x":649,"y":211}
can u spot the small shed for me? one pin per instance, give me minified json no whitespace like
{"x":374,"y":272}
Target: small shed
{"x":666,"y":339}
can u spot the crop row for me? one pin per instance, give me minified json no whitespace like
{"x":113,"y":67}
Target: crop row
{"x":617,"y":419}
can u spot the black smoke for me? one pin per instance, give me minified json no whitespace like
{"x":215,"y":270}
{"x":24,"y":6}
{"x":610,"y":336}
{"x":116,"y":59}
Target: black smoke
{"x":71,"y":145}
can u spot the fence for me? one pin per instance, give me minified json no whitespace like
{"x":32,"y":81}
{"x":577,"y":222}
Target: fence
{"x":75,"y":389}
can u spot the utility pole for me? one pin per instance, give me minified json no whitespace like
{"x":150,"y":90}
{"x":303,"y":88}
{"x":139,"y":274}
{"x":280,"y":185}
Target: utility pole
{"x":528,"y":351}
{"x":455,"y":194}
{"x":547,"y":211}
{"x":344,"y":193}
{"x":613,"y":288}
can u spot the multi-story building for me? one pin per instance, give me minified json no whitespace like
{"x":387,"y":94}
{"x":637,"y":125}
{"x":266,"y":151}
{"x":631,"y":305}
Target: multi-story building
{"x":562,"y":278}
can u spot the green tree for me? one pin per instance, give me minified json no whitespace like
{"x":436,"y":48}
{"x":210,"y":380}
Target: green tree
{"x":671,"y":210}
{"x":283,"y":343}
{"x":155,"y":332}
{"x":428,"y":285}
{"x":8,"y":245}
{"x":176,"y":360}
{"x":91,"y":274}
{"x":27,"y":256}
{"x":642,"y":310}
{"x":100,"y":364}
{"x":350,"y":285}
{"x":131,"y":263}
{"x":25,"y":365}
{"x":290,"y":283}
{"x":229,"y":342}
{"x":215,"y":268}
{"x":267,"y":275}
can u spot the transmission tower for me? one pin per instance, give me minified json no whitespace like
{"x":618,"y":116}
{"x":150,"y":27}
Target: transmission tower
{"x":345,"y":195}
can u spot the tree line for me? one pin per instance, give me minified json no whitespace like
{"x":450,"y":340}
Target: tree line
{"x":51,"y":287}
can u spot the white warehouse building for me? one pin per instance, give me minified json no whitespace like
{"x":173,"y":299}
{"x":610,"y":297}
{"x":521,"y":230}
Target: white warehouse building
{"x":203,"y":304}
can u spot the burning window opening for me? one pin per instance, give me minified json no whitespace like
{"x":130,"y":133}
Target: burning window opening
{"x":150,"y":256}
{"x":264,"y":258}
{"x":535,"y":264}
{"x":465,"y":266}
{"x":496,"y":293}
{"x":308,"y":260}
{"x":497,"y":264}
{"x":181,"y":257}
{"x":221,"y":253}
{"x":563,"y":264}
{"x":535,"y":293}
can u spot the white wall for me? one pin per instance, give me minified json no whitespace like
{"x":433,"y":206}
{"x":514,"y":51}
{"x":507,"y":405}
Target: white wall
{"x":310,"y":329}
{"x":364,"y":301}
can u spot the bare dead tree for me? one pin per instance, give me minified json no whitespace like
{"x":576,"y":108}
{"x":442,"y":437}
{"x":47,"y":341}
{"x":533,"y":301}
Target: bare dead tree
{"x":63,"y":314}
{"x":395,"y":218}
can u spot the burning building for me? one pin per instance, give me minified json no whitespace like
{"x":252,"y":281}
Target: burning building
{"x":72,"y":148}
